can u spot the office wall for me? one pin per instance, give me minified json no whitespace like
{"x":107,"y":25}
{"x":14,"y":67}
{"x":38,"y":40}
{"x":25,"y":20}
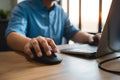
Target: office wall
{"x":8,"y":4}
{"x":5,"y":4}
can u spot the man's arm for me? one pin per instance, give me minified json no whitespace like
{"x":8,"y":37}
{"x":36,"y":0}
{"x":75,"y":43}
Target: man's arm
{"x":21,"y":43}
{"x":17,"y":41}
{"x":83,"y":37}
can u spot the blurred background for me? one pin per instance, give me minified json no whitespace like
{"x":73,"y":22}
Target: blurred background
{"x":88,"y":15}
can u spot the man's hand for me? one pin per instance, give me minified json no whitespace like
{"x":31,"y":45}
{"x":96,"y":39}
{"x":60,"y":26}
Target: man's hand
{"x":83,"y":37}
{"x":38,"y":42}
{"x":94,"y":40}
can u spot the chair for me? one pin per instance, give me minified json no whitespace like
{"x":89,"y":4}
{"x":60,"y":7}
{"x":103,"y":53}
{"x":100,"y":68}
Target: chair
{"x":3,"y":44}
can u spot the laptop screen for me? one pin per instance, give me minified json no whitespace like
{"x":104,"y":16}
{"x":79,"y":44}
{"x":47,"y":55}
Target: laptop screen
{"x":114,"y":26}
{"x":110,"y":40}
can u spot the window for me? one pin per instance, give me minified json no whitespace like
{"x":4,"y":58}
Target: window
{"x":74,"y":10}
{"x":18,"y":1}
{"x":88,"y":15}
{"x":105,"y":9}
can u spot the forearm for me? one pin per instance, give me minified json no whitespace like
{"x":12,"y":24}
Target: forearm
{"x":82,"y":37}
{"x":17,"y":41}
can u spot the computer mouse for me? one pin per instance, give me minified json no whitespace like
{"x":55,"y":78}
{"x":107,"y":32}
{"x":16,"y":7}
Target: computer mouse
{"x":54,"y":58}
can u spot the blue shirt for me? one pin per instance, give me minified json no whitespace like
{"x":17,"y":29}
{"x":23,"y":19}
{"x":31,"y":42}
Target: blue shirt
{"x":32,"y":18}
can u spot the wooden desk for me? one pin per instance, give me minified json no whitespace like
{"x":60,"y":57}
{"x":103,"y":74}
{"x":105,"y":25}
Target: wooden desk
{"x":14,"y":66}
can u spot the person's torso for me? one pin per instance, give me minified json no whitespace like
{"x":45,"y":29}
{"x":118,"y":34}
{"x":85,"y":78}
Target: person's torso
{"x":42,"y":22}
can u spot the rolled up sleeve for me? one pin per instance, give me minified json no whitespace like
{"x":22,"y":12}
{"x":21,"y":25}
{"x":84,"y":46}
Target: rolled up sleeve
{"x":69,"y":29}
{"x":18,"y":21}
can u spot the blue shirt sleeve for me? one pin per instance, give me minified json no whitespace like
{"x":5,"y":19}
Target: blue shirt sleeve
{"x":69,"y":29}
{"x":18,"y":20}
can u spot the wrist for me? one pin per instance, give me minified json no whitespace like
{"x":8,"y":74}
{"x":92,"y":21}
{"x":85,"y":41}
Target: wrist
{"x":90,"y":38}
{"x":26,"y":43}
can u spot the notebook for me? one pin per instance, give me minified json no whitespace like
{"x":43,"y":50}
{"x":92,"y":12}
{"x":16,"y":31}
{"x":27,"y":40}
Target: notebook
{"x":109,"y":39}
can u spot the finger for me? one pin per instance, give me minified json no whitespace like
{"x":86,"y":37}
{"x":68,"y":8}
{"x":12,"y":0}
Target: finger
{"x":36,"y":47}
{"x":52,"y":44}
{"x":28,"y":51}
{"x":44,"y":44}
{"x":95,"y":41}
{"x":98,"y":36}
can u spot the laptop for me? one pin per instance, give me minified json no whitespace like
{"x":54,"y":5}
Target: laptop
{"x":109,"y":42}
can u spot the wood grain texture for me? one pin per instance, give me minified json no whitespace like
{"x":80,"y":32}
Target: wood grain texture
{"x":14,"y":66}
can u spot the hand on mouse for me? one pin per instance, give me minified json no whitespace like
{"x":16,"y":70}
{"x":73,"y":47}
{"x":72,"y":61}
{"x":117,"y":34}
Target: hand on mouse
{"x":38,"y":42}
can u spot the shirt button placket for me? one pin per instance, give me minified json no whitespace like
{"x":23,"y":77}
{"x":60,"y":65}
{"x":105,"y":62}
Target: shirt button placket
{"x":50,"y":28}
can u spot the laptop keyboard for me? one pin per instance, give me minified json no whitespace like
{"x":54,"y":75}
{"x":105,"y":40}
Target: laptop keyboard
{"x":76,"y":46}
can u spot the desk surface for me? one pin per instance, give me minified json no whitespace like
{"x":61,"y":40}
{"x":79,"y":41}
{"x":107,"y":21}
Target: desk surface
{"x":14,"y":66}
